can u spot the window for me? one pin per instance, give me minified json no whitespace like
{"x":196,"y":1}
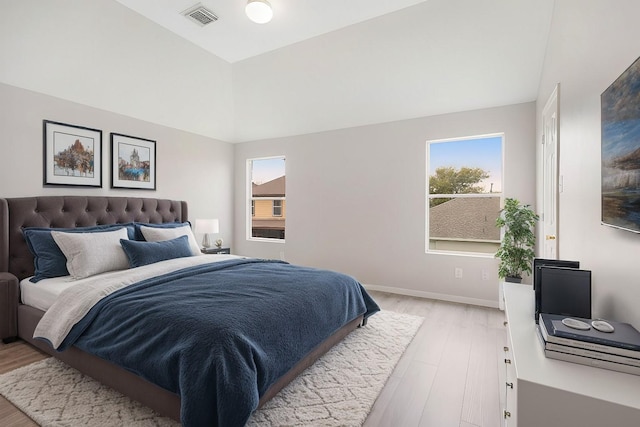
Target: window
{"x":277,"y":208}
{"x":464,"y":192}
{"x":267,"y":198}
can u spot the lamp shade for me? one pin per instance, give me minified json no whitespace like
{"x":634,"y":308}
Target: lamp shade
{"x":207,"y":226}
{"x":259,"y":11}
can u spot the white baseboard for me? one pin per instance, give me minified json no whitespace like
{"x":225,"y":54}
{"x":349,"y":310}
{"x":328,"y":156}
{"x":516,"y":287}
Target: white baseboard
{"x":432,"y":295}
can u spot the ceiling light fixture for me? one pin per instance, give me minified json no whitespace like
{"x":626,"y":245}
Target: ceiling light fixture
{"x":259,"y":11}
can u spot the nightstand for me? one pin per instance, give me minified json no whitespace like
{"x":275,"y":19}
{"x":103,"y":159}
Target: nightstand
{"x":216,"y":250}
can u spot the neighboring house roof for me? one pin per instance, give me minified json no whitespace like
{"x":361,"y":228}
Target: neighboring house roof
{"x":273,"y":188}
{"x":465,"y":218}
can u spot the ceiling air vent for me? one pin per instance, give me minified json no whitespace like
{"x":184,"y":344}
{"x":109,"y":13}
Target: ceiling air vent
{"x":200,"y":15}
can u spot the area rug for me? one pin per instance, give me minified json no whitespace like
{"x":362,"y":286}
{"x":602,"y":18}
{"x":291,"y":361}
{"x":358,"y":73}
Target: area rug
{"x":338,"y":390}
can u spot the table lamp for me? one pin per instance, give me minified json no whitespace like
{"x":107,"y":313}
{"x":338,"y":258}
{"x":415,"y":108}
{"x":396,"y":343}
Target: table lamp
{"x":207,"y":226}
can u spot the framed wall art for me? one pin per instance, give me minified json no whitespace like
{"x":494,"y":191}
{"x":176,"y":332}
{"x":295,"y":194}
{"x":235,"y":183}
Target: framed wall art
{"x":620,"y":116}
{"x":133,"y":162}
{"x":72,"y":155}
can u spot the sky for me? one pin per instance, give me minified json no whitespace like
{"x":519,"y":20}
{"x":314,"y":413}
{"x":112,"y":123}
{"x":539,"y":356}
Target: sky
{"x":485,"y":153}
{"x":265,"y":170}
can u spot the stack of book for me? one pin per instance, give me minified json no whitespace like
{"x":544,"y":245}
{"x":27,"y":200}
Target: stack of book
{"x":618,"y":350}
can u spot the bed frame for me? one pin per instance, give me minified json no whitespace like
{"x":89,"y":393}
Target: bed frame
{"x":16,"y":263}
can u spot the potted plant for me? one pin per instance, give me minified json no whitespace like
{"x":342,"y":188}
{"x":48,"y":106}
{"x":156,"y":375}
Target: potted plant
{"x":516,"y":249}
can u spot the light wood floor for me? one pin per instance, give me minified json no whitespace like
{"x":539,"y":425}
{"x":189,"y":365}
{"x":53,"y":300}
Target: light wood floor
{"x":449,"y":376}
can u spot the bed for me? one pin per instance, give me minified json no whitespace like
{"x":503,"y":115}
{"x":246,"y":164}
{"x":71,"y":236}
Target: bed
{"x":174,"y":399}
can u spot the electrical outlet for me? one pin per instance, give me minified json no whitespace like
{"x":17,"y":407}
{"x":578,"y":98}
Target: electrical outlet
{"x":485,"y":274}
{"x":282,"y":256}
{"x":458,"y":273}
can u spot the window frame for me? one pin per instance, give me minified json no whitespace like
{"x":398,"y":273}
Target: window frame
{"x":429,"y":196}
{"x":250,"y":205}
{"x":273,"y":207}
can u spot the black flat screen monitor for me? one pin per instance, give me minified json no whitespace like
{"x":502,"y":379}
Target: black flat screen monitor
{"x":565,"y":291}
{"x":539,"y":262}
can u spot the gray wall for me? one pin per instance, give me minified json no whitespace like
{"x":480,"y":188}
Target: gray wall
{"x":100,"y":65}
{"x":100,"y":53}
{"x":356,"y":200}
{"x":189,"y":167}
{"x":591,"y":43}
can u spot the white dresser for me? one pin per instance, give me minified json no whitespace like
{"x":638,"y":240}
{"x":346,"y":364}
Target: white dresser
{"x":554,"y":393}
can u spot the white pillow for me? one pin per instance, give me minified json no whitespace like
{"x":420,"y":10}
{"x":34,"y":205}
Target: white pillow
{"x":160,"y":234}
{"x":92,"y":253}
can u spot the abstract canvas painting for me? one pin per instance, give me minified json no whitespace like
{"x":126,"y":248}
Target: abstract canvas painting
{"x":620,"y":105}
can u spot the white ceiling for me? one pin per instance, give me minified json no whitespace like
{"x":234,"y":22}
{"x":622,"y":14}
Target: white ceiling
{"x":333,"y":64}
{"x":233,"y":37}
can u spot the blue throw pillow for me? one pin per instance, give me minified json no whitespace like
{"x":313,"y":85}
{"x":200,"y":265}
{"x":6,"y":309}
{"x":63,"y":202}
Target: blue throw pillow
{"x":48,"y":259}
{"x":140,"y":237}
{"x":143,"y":253}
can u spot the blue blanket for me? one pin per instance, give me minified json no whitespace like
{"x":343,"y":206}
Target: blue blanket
{"x":220,"y":334}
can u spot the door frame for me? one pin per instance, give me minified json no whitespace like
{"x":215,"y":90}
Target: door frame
{"x":554,"y":183}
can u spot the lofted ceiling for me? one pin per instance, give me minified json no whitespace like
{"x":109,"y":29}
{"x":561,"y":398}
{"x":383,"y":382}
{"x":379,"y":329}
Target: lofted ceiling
{"x":329,"y":64}
{"x":233,"y":37}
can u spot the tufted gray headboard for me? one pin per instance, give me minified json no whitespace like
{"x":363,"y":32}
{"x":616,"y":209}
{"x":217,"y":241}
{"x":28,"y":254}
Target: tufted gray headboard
{"x":72,"y":211}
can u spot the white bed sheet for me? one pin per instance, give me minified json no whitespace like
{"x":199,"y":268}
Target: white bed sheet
{"x":43,"y":293}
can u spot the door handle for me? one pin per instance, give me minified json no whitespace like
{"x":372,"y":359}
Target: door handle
{"x":550,"y":237}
